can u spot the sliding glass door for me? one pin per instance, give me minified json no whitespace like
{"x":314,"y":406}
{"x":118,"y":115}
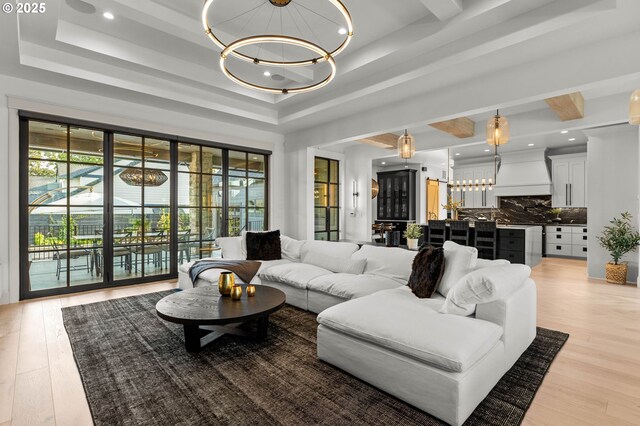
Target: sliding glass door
{"x":106,"y":206}
{"x":141,"y":217}
{"x":246,"y":192}
{"x":65,"y":205}
{"x":200,"y":200}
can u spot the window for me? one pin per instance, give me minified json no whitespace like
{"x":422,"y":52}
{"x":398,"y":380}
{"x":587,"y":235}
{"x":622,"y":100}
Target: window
{"x":246,"y":192}
{"x":64,"y":205}
{"x":104,"y":206}
{"x":326,"y":195}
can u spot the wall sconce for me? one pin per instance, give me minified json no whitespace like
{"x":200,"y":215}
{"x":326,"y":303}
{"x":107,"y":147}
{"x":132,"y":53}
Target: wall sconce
{"x":356,"y":194}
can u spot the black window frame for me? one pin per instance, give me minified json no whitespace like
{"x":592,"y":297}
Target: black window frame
{"x":328,"y":208}
{"x":109,"y":130}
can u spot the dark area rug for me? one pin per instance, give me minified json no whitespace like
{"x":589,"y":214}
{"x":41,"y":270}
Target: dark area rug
{"x":136,"y":371}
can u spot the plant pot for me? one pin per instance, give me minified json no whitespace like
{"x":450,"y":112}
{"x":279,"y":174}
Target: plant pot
{"x":616,"y":274}
{"x":392,"y":238}
{"x":412,"y":243}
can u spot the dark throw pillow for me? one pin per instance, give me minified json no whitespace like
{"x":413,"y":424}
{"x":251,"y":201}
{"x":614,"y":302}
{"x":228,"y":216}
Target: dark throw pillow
{"x":263,"y":245}
{"x":426,"y":271}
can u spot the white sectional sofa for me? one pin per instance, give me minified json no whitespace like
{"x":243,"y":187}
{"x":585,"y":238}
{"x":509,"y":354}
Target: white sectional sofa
{"x":318,"y":274}
{"x":372,"y":326}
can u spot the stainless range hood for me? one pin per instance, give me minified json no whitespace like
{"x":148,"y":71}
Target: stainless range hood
{"x":523,"y":173}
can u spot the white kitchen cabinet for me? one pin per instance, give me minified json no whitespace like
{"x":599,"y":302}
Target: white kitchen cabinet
{"x":472,"y":199}
{"x":569,"y":176}
{"x":569,"y":241}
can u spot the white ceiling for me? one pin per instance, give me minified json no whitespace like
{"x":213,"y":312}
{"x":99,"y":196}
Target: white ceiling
{"x":445,"y":60}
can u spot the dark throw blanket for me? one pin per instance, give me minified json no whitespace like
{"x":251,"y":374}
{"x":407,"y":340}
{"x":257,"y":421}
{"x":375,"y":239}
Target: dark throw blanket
{"x":244,"y":269}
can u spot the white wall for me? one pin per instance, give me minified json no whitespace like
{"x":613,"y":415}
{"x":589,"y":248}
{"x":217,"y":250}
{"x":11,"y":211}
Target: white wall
{"x":358,"y":221}
{"x":16,"y":94}
{"x":4,"y":196}
{"x":613,"y":187}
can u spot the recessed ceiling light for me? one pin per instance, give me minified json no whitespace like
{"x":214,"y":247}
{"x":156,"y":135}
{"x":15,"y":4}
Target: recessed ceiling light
{"x":266,"y":74}
{"x":487,"y":150}
{"x":383,"y":163}
{"x":342,"y":31}
{"x":108,"y":15}
{"x":531,"y":144}
{"x":564,"y":132}
{"x":572,"y":139}
{"x":457,"y":153}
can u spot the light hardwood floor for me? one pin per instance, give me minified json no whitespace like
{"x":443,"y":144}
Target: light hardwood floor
{"x":595,"y":380}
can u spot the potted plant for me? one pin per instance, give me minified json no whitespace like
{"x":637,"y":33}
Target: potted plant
{"x":453,"y":207}
{"x":557,"y":212}
{"x":413,"y":234}
{"x":618,"y":239}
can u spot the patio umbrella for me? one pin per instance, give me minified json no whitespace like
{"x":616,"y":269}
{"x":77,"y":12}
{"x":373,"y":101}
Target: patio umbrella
{"x":85,"y":202}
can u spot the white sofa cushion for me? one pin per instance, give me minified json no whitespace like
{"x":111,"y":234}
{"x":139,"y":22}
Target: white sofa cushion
{"x":231,"y":247}
{"x":295,"y":274}
{"x":337,"y":264}
{"x":350,"y":286}
{"x":317,"y":253}
{"x":483,"y":286}
{"x":290,"y":248}
{"x":394,"y":263}
{"x":448,"y":342}
{"x":486,"y":263}
{"x":236,"y":247}
{"x":458,"y":262}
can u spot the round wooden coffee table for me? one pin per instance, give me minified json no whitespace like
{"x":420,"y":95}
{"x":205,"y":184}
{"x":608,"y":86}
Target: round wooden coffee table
{"x":206,"y":315}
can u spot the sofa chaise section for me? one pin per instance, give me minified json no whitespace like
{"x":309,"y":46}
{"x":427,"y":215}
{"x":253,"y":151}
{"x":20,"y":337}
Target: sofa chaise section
{"x":443,"y":364}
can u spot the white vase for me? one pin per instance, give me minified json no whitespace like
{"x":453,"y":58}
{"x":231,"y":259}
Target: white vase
{"x":412,"y":243}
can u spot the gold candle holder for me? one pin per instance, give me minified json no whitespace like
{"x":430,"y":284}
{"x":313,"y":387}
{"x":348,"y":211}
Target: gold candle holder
{"x":226,"y":281}
{"x":251,"y":290}
{"x":236,"y":292}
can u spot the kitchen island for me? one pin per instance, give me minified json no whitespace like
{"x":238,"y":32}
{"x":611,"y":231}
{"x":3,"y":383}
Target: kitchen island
{"x":515,"y":243}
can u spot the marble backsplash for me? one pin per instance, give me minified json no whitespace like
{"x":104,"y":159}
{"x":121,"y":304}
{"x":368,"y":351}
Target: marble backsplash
{"x":523,"y":210}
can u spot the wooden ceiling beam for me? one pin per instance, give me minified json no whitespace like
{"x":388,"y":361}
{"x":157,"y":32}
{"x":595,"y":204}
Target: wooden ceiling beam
{"x":386,"y":141}
{"x":567,"y":107}
{"x":462,"y":127}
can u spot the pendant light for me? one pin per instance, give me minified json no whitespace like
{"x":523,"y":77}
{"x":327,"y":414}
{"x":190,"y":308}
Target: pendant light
{"x":634,"y":108}
{"x":406,"y":146}
{"x":497,"y":134}
{"x":138,"y":177}
{"x":497,"y":130}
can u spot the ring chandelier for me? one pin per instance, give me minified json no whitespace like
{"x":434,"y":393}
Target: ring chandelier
{"x":231,"y":48}
{"x":320,"y":54}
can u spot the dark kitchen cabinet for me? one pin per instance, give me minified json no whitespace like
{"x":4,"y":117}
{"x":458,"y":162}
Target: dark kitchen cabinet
{"x":397,"y":196}
{"x":512,"y":245}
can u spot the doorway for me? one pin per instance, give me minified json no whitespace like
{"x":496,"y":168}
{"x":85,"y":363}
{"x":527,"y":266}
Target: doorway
{"x":433,"y":199}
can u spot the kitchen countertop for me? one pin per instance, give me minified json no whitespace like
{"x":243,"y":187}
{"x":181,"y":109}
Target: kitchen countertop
{"x":504,"y":226}
{"x":518,"y":226}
